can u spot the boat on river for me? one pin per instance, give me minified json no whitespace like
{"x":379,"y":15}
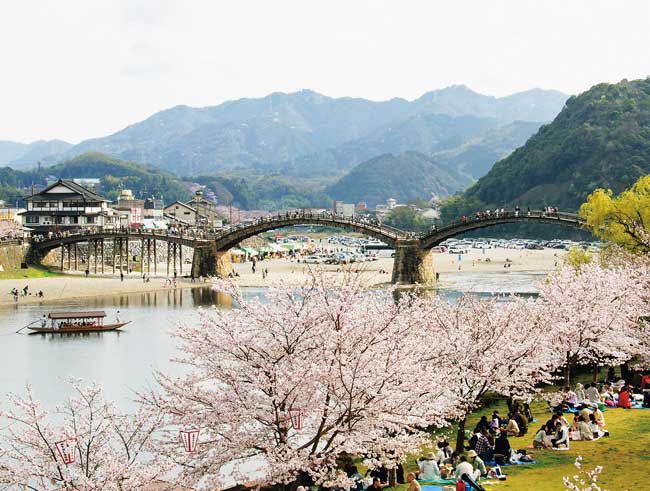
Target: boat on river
{"x":75,"y":322}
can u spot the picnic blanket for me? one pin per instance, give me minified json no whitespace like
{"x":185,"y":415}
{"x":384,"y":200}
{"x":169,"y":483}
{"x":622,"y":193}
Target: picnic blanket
{"x":431,"y":487}
{"x":638,"y":405}
{"x":492,"y":463}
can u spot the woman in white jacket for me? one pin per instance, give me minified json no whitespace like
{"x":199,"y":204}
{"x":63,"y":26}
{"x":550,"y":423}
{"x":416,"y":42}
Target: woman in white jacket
{"x":429,"y":470}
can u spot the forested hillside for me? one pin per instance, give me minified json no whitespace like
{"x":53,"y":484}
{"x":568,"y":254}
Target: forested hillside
{"x":600,"y":139}
{"x":405,"y":177}
{"x":113,"y":174}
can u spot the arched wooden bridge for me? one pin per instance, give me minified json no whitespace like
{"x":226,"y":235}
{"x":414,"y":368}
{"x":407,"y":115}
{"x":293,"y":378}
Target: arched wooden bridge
{"x":413,"y":258}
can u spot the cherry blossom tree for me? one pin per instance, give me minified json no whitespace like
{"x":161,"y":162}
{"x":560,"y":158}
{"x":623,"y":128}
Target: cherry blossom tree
{"x":493,"y":345}
{"x":349,"y":359}
{"x":109,"y":450}
{"x":585,"y":480}
{"x":594,"y":314}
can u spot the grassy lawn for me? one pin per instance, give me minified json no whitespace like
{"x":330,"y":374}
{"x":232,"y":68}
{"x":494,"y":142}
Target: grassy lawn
{"x":30,"y":272}
{"x":624,"y":454}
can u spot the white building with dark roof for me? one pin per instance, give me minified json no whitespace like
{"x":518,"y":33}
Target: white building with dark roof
{"x":66,"y":205}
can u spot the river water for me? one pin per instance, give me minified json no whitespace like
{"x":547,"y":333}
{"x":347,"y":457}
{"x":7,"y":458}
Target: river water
{"x":123,"y":362}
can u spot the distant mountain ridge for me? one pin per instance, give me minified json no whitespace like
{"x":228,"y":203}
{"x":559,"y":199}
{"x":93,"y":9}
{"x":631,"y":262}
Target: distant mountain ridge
{"x":25,"y":155}
{"x":306,"y":132}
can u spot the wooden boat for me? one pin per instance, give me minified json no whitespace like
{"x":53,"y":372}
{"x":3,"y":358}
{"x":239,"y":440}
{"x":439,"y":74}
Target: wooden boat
{"x":75,"y":322}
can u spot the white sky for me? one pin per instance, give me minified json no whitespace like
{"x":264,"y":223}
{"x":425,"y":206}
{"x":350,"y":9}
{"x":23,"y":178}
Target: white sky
{"x":75,"y":69}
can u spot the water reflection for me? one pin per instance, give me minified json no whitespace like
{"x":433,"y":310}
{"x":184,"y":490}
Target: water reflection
{"x":123,"y":361}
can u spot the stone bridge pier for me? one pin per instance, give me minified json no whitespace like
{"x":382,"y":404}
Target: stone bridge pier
{"x":413,"y":264}
{"x":208,"y":261}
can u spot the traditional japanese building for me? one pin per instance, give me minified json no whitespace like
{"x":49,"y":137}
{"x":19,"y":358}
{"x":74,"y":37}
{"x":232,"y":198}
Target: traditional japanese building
{"x":66,"y":205}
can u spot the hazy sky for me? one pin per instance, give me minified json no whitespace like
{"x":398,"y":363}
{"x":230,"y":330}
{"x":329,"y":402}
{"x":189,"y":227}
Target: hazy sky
{"x":75,"y":69}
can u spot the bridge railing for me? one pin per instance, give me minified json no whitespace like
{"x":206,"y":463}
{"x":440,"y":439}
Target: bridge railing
{"x":193,"y":234}
{"x":495,"y":216}
{"x":369,"y":224}
{"x":11,"y":242}
{"x":190,"y":235}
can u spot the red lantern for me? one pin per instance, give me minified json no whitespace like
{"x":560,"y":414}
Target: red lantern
{"x":295,"y":415}
{"x":67,"y":450}
{"x":190,"y":439}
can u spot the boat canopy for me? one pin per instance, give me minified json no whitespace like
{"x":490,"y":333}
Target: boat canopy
{"x":96,"y":314}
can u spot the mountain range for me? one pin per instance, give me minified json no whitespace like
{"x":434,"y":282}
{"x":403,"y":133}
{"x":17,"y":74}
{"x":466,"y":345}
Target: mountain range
{"x":309,"y":134}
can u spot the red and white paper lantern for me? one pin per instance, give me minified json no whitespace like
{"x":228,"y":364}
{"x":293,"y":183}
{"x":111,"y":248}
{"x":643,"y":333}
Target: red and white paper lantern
{"x":295,"y":416}
{"x":67,"y":450}
{"x":190,"y":439}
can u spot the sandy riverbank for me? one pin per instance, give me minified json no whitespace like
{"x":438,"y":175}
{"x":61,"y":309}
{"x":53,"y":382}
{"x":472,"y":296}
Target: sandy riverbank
{"x":72,"y":286}
{"x":66,"y":287}
{"x":379,"y":272}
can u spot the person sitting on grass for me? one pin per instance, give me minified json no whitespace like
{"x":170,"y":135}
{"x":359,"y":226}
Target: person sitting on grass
{"x":483,"y":423}
{"x":502,"y":446}
{"x":495,"y":424}
{"x":580,"y":392}
{"x":570,"y":397}
{"x":599,"y":416}
{"x":477,"y":463}
{"x":646,"y":398}
{"x":428,"y":466}
{"x":624,"y":399}
{"x":595,"y":428}
{"x":414,"y":485}
{"x":561,"y":436}
{"x":522,"y":422}
{"x":540,"y":438}
{"x":512,"y":428}
{"x":592,"y":393}
{"x":375,"y":486}
{"x":484,"y":447}
{"x":550,"y":424}
{"x":465,"y":467}
{"x":584,"y":430}
{"x":444,"y":451}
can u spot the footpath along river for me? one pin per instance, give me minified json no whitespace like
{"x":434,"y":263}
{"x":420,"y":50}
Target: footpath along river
{"x":123,"y":362}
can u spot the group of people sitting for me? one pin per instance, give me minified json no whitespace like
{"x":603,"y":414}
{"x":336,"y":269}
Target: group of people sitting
{"x":612,"y":394}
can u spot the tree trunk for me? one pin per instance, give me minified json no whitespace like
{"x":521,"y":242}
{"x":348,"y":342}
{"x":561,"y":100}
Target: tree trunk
{"x":392,"y":477}
{"x":626,"y":373}
{"x":594,"y":374}
{"x":460,"y":436}
{"x":510,"y":401}
{"x":567,"y":371}
{"x":567,"y":375}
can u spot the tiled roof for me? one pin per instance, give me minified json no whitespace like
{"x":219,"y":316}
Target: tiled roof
{"x":76,"y":189}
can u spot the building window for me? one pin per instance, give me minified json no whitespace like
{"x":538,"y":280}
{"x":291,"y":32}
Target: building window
{"x":31,"y":219}
{"x":58,"y":220}
{"x":90,"y":219}
{"x":74,"y":220}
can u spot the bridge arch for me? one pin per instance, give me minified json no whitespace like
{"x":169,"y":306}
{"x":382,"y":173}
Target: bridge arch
{"x":235,"y":235}
{"x":435,"y":237}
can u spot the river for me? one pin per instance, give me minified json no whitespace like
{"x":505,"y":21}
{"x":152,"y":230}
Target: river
{"x":123,"y":362}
